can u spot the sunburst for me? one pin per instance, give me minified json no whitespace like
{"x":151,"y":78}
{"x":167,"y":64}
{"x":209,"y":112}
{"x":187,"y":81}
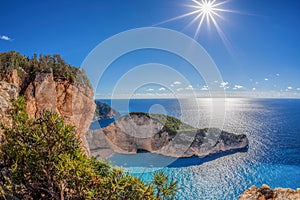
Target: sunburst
{"x":205,"y":11}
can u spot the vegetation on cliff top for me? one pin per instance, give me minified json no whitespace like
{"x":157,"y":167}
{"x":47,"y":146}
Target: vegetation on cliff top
{"x":172,"y":124}
{"x":42,"y":159}
{"x":104,"y":111}
{"x":28,"y":68}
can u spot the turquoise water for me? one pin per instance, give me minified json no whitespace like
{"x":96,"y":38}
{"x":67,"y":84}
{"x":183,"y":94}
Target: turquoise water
{"x":273,"y":156}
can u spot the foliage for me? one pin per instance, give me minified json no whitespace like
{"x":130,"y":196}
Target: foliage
{"x":27,"y":68}
{"x":172,"y":124}
{"x":42,"y":159}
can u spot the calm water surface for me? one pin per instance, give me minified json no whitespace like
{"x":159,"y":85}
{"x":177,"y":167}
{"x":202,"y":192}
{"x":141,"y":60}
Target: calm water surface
{"x":273,"y":156}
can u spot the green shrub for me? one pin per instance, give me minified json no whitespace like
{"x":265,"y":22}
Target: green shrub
{"x":42,"y":159}
{"x":27,"y":68}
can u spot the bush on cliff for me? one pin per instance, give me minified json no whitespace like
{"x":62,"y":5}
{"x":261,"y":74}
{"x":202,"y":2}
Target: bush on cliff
{"x":42,"y":159}
{"x":28,"y":68}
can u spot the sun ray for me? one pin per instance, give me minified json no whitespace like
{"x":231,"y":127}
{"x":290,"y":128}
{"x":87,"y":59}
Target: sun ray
{"x":219,"y":4}
{"x":207,"y":12}
{"x":199,"y":26}
{"x":178,"y":17}
{"x":218,"y":15}
{"x":229,"y":11}
{"x":194,"y":20}
{"x":198,"y":3}
{"x":222,"y":35}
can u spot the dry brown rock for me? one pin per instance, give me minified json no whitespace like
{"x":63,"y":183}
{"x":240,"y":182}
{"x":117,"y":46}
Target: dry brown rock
{"x":13,"y":78}
{"x":139,"y":131}
{"x":266,"y":193}
{"x":73,"y":102}
{"x":8,"y":91}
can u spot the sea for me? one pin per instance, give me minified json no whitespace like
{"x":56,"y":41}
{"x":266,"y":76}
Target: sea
{"x":272,"y":157}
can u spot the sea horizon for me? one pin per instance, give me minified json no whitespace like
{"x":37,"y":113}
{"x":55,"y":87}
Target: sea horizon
{"x":271,"y":126}
{"x":184,"y":98}
{"x":217,"y":81}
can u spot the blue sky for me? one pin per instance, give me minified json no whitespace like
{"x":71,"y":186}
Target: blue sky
{"x":264,"y":50}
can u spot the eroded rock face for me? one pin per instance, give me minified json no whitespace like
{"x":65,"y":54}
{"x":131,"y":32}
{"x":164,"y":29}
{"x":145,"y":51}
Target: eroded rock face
{"x":12,"y":77}
{"x":266,"y":193}
{"x":8,"y":91}
{"x":73,"y":102}
{"x":142,"y":132}
{"x":104,"y":111}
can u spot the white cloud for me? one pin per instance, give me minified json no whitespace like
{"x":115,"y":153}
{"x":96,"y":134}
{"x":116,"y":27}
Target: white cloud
{"x":4,"y":37}
{"x":204,"y":88}
{"x":179,"y":89}
{"x":298,"y":89}
{"x":266,"y":79}
{"x":277,"y":74}
{"x":189,"y":87}
{"x":223,"y":84}
{"x":236,"y":87}
{"x":150,"y":89}
{"x":172,"y":85}
{"x":162,"y":89}
{"x":253,"y":89}
{"x":177,"y":83}
{"x":289,"y":87}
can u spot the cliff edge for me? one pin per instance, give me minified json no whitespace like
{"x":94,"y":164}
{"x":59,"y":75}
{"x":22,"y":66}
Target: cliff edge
{"x":266,"y":193}
{"x":160,"y":134}
{"x":104,"y":111}
{"x":47,"y":83}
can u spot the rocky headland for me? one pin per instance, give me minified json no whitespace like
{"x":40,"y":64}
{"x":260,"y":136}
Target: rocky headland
{"x":47,"y":83}
{"x":266,"y":193}
{"x":160,"y":134}
{"x":104,"y":111}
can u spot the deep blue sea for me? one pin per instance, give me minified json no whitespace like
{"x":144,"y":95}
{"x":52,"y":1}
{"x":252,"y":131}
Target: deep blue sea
{"x":273,"y":156}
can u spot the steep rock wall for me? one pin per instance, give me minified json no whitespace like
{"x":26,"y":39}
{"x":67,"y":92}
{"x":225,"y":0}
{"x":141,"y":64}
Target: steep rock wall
{"x":73,"y":102}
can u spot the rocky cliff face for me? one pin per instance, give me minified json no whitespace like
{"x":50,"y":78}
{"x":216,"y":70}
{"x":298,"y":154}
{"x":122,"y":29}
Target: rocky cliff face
{"x":104,"y":111}
{"x":266,"y":193}
{"x":7,"y":91}
{"x":74,"y":102}
{"x":162,"y":135}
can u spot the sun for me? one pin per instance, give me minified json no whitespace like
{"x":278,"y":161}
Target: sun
{"x":206,"y":8}
{"x":207,"y":12}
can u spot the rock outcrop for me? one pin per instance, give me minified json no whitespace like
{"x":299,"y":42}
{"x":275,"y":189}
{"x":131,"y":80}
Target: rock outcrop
{"x":104,"y":111}
{"x":74,"y":102}
{"x":160,"y":134}
{"x":266,"y":193}
{"x":8,"y":91}
{"x":47,"y":83}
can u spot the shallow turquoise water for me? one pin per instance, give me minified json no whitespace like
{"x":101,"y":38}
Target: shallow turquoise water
{"x":273,"y":156}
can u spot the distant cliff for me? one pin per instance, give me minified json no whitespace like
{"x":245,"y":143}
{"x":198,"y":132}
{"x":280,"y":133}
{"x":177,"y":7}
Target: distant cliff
{"x":104,"y":111}
{"x":47,"y":83}
{"x":160,"y":134}
{"x":266,"y":193}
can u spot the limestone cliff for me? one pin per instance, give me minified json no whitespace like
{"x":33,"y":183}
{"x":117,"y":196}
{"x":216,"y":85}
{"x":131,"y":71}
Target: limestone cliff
{"x":162,"y":135}
{"x":104,"y":111}
{"x":8,"y":91}
{"x":47,"y":84}
{"x":266,"y":193}
{"x":74,"y":102}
